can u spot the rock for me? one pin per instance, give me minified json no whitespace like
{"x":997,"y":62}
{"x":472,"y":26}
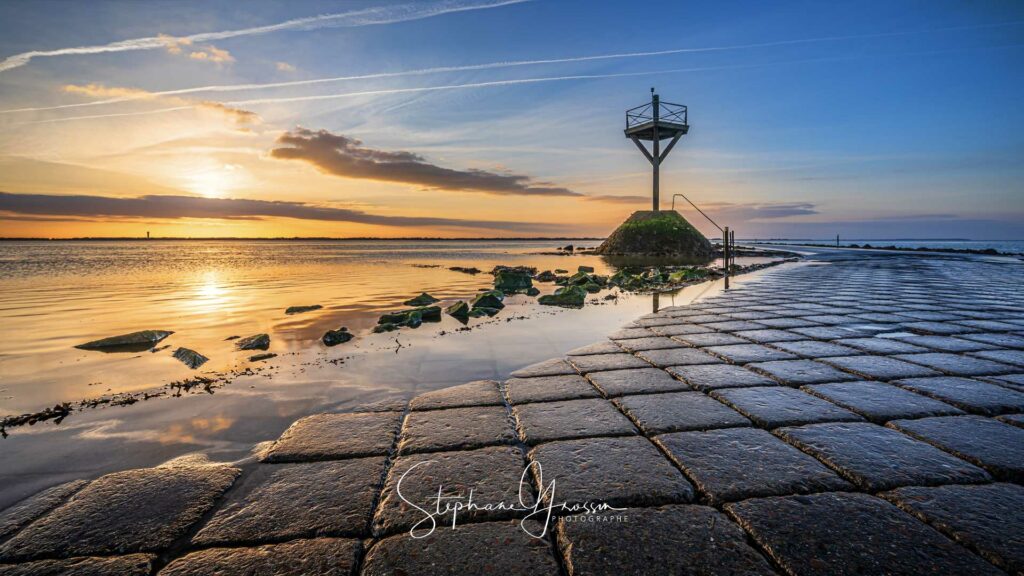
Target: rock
{"x":662,"y":232}
{"x":531,"y":291}
{"x":335,"y":337}
{"x":133,"y":342}
{"x":465,"y":270}
{"x":423,"y":299}
{"x":300,"y":309}
{"x":587,"y":269}
{"x":591,"y":287}
{"x":412,"y":318}
{"x":264,"y":356}
{"x":483,"y":311}
{"x":490,"y":299}
{"x":560,"y":271}
{"x":570,"y":296}
{"x":512,"y":281}
{"x":530,"y":270}
{"x":458,"y":310}
{"x":545,"y":276}
{"x":190,"y":358}
{"x":569,"y":248}
{"x":257,"y":342}
{"x":385,"y":327}
{"x":235,"y":337}
{"x":579,"y":279}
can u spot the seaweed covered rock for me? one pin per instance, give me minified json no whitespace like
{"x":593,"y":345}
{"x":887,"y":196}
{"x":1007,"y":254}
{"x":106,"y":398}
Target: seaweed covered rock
{"x":459,"y":310}
{"x":423,"y":299}
{"x":257,"y":342}
{"x":411,"y":318}
{"x":489,"y":299}
{"x":133,"y":342}
{"x":190,"y":357}
{"x":300,"y":309}
{"x":511,"y":281}
{"x":335,"y":337}
{"x":569,"y":297}
{"x":664,"y":233}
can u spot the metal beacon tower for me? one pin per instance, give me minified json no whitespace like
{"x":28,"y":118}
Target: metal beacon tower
{"x":654,"y":122}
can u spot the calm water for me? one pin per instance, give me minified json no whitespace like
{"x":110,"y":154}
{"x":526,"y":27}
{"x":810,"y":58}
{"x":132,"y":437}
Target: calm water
{"x":54,"y":295}
{"x":1006,"y":246}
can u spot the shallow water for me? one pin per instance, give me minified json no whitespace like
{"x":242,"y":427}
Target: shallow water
{"x":56,"y":295}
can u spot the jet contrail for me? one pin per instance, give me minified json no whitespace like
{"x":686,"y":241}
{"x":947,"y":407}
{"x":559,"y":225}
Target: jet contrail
{"x":505,"y":64}
{"x":366,"y":17}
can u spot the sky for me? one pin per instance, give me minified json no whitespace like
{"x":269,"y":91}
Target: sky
{"x":504,"y":118}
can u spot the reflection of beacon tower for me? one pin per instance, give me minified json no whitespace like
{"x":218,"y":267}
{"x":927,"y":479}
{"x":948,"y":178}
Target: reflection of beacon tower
{"x":655,"y":122}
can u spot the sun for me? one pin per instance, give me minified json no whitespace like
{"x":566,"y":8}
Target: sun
{"x":215,"y":181}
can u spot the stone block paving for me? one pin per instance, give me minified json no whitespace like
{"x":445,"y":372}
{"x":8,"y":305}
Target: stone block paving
{"x":864,"y":415}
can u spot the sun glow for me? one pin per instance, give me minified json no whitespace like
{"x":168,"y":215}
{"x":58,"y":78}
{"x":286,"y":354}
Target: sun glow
{"x":215,"y":180}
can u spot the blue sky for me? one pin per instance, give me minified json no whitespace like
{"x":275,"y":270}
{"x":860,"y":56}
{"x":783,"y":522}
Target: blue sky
{"x":868,"y":119}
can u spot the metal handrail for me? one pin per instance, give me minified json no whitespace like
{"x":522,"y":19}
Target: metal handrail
{"x":667,"y":111}
{"x":697,"y":209}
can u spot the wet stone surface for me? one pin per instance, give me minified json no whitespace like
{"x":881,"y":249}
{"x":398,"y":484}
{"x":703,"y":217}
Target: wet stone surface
{"x":552,"y":367}
{"x":769,"y":335}
{"x":816,"y":349}
{"x":946,"y":343}
{"x":601,"y":362}
{"x":545,"y":388}
{"x":774,"y":406}
{"x":544,"y":421}
{"x":746,"y":353}
{"x":678,"y":411}
{"x":129,"y":565}
{"x":479,"y":393}
{"x":877,"y":458}
{"x":1015,"y":419}
{"x":20,"y":514}
{"x":675,"y":539}
{"x":334,"y":436}
{"x":678,"y":357}
{"x":985,"y":518}
{"x":604,"y":347}
{"x":957,"y":364}
{"x":617,"y":471}
{"x":800,"y":372}
{"x":879,"y":367}
{"x":455,"y":428}
{"x":484,"y":548}
{"x":132,"y":511}
{"x":709,"y":339}
{"x":1014,"y":357}
{"x":279,"y":501}
{"x":845,"y":533}
{"x":970,"y":395}
{"x":996,"y":446}
{"x":707,"y":377}
{"x":881,"y":345}
{"x":997,"y":339}
{"x":324,"y":556}
{"x":652,"y":343}
{"x":879,"y":402}
{"x":635,"y":381}
{"x":740,"y":463}
{"x":493,"y":474}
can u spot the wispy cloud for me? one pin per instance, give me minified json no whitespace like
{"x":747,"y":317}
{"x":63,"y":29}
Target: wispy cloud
{"x":614,"y":199}
{"x":366,"y":17}
{"x":761,"y":211}
{"x":51,"y":206}
{"x":236,"y":115}
{"x":346,"y":157}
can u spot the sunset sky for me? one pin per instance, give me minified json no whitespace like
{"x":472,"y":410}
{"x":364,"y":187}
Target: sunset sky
{"x":888,"y":119}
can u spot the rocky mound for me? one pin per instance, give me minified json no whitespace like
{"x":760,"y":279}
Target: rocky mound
{"x":663,"y":233}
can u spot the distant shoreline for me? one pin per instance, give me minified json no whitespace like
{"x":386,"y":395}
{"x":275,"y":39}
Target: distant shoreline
{"x":294,"y":238}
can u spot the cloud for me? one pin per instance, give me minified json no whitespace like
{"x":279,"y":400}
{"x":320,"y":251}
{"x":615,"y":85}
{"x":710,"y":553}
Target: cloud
{"x":346,"y":157}
{"x":613,"y":199}
{"x":762,"y":211}
{"x":52,"y":206}
{"x":236,"y":115}
{"x":284,"y":67}
{"x":366,"y":17}
{"x":212,"y":54}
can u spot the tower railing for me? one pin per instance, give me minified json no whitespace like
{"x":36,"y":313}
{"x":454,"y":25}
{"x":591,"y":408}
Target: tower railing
{"x":667,"y":112}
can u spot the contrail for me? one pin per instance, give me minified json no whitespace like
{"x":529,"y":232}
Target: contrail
{"x":508,"y":64}
{"x":366,"y":17}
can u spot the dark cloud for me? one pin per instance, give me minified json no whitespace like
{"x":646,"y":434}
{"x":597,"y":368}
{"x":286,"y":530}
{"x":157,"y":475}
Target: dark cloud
{"x":759,"y":211}
{"x":347,"y":157}
{"x":170,"y":206}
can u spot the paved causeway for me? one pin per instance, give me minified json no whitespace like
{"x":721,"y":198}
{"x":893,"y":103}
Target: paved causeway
{"x":860,"y":413}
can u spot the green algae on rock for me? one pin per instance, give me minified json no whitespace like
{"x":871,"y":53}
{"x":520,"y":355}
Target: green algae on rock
{"x":658,"y":233}
{"x":423,"y":299}
{"x":568,"y":297}
{"x":135,"y":341}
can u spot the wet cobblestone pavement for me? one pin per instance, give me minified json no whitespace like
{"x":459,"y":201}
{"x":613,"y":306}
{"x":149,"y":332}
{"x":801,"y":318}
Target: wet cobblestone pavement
{"x":858,"y":413}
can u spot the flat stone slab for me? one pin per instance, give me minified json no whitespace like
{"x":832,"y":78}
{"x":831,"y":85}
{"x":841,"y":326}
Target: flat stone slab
{"x":20,"y":514}
{"x":455,"y":429}
{"x":739,"y":463}
{"x":879,"y":367}
{"x":545,"y":388}
{"x":479,"y":393}
{"x":774,"y":406}
{"x":279,"y":501}
{"x":971,"y":395}
{"x":746,"y":353}
{"x":492,"y":474}
{"x":599,"y":362}
{"x":947,"y":343}
{"x":800,"y":372}
{"x":132,"y":511}
{"x":651,"y":343}
{"x":844,"y":533}
{"x":1015,"y":357}
{"x":984,"y":518}
{"x":544,"y":421}
{"x":1014,"y":419}
{"x":769,"y":335}
{"x":707,"y":377}
{"x":484,"y":548}
{"x":733,"y":325}
{"x":677,"y":411}
{"x":816,"y":349}
{"x":709,"y":339}
{"x":129,"y":565}
{"x":324,"y":556}
{"x":993,"y":445}
{"x":881,"y":345}
{"x":681,"y":329}
{"x":635,"y":381}
{"x":678,"y":357}
{"x":880,"y":402}
{"x":997,"y":339}
{"x":334,"y":436}
{"x":877,"y":458}
{"x":604,"y":347}
{"x":786,"y":322}
{"x":552,"y":367}
{"x":939,"y":328}
{"x":630,"y":333}
{"x":616,"y":471}
{"x":675,"y":538}
{"x":958,"y":364}
{"x":831,"y":332}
